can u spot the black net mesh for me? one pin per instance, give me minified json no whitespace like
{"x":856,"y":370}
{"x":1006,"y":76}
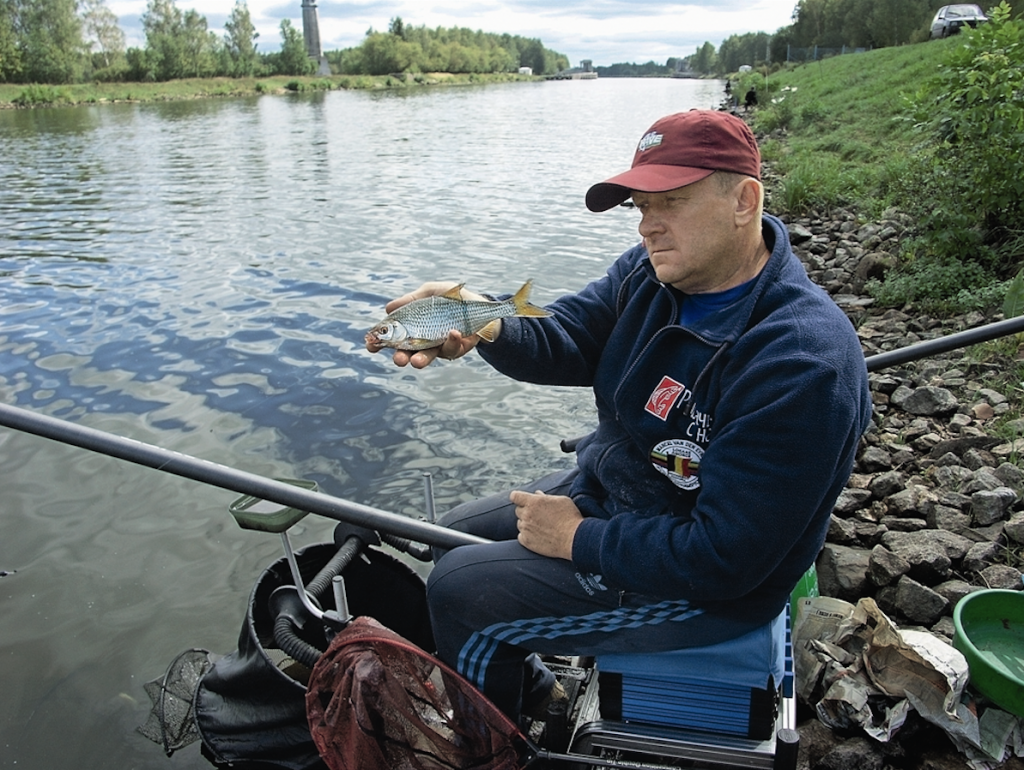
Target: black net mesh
{"x":171,"y":721}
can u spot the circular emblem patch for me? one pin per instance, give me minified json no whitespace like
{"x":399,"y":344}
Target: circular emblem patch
{"x":678,"y":459}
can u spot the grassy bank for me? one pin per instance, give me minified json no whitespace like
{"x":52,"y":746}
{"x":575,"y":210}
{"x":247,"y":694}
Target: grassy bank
{"x":19,"y":95}
{"x":838,"y":130}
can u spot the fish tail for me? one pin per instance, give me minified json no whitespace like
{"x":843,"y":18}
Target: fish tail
{"x":520,"y":300}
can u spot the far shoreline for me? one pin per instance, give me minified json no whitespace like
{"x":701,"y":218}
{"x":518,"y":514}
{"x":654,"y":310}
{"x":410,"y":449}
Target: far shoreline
{"x":23,"y":96}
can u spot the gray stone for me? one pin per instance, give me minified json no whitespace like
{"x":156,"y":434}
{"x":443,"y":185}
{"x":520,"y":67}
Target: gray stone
{"x":875,"y":459}
{"x":1010,"y":475}
{"x":1014,"y":528}
{"x":975,"y":459}
{"x":955,"y":476}
{"x":930,"y":400}
{"x":843,"y":572}
{"x":991,"y":397}
{"x":909,"y":502}
{"x":955,"y":546}
{"x":885,"y":567}
{"x":885,"y":484}
{"x":1002,"y":576}
{"x":851,"y":500}
{"x":954,"y":590}
{"x":918,"y":602}
{"x":980,"y":555}
{"x":982,"y":479}
{"x":950,"y":519}
{"x":990,"y":506}
{"x":842,"y":531}
{"x":798,"y":234}
{"x":899,"y":396}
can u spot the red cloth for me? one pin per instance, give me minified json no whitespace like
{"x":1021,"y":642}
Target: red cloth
{"x":376,"y":701}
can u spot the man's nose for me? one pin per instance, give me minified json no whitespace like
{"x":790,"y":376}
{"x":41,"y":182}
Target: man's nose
{"x":649,"y":224}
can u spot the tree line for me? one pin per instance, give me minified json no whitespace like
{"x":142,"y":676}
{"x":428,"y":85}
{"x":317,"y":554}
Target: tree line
{"x":414,"y":49}
{"x":73,"y":41}
{"x":829,"y":24}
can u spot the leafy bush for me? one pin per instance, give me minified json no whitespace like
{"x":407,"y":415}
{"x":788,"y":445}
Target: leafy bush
{"x":973,"y":111}
{"x":965,"y":185}
{"x":39,"y":94}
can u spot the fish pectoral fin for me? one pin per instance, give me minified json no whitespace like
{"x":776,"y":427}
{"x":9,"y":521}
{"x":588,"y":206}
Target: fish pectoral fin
{"x":490,"y":332}
{"x":455,"y":292}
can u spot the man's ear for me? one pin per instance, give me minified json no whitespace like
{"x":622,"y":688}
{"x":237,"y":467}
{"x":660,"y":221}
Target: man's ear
{"x":749,"y":200}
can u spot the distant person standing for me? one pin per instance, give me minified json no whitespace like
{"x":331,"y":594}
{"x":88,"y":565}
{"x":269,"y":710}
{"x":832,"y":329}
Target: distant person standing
{"x":750,"y":100}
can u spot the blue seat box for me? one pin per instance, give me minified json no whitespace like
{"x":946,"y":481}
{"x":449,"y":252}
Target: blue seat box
{"x":732,"y":687}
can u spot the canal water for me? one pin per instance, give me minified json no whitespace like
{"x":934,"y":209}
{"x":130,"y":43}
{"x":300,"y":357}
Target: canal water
{"x":199,"y":275}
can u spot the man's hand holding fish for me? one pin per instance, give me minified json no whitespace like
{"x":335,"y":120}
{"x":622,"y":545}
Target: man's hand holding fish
{"x":441,"y":319}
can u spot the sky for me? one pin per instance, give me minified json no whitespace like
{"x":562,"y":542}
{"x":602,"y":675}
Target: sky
{"x":604,"y":31}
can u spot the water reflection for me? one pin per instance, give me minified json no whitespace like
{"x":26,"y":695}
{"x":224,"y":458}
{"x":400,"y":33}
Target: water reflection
{"x":199,"y":275}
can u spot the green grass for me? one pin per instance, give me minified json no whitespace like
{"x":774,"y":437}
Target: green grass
{"x":847,"y":136}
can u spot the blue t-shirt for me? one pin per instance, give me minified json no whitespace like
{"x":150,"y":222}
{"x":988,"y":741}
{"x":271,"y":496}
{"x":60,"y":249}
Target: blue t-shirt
{"x":697,"y":306}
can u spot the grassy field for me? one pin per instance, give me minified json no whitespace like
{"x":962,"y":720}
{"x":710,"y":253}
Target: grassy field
{"x":19,"y":95}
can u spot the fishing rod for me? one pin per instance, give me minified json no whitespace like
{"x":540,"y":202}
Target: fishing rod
{"x":207,"y":472}
{"x":338,"y":509}
{"x":945,"y":344}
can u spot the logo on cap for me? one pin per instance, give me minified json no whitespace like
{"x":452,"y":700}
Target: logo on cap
{"x":651,"y":139}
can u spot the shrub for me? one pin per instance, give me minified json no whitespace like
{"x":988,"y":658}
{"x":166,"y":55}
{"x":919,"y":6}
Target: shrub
{"x":38,"y":94}
{"x":974,"y":114}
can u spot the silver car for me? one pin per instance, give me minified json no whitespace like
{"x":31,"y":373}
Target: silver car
{"x":950,"y":18}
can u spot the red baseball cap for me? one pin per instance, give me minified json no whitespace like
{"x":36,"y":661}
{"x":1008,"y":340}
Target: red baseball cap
{"x":679,"y":150}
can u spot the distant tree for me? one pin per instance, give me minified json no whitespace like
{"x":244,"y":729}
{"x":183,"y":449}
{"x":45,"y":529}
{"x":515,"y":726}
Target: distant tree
{"x":750,"y":48}
{"x":164,"y":25}
{"x":396,"y":27}
{"x":199,"y":46}
{"x":704,"y":59}
{"x":49,"y":35}
{"x":293,"y":58}
{"x":10,"y":53}
{"x":239,"y":42}
{"x":859,"y":23}
{"x":102,"y":33}
{"x":178,"y":44}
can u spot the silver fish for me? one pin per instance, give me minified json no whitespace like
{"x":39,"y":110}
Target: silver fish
{"x":425,"y":323}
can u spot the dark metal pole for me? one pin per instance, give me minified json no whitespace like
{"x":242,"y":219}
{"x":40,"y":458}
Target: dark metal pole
{"x":228,"y":478}
{"x":944,"y":344}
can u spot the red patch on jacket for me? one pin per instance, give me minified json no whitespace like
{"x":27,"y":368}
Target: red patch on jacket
{"x":664,"y":398}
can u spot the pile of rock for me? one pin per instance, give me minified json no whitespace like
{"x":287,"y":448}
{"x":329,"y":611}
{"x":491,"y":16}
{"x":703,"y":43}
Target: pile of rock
{"x":934,"y":507}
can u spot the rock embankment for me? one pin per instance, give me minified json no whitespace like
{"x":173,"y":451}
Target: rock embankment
{"x":933,"y":509}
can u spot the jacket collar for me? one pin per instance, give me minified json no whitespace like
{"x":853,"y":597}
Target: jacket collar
{"x":722,"y":328}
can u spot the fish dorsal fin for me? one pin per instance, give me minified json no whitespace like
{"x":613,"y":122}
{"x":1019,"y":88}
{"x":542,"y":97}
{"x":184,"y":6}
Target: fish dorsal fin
{"x":455,"y":292}
{"x":490,"y":332}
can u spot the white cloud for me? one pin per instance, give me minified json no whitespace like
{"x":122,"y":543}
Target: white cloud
{"x":606,"y":31}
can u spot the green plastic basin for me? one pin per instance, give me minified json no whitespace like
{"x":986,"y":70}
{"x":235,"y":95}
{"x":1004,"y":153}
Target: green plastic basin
{"x":990,"y":634}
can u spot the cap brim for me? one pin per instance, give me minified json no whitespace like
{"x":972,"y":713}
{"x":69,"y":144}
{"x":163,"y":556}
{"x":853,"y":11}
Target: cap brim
{"x":649,"y":178}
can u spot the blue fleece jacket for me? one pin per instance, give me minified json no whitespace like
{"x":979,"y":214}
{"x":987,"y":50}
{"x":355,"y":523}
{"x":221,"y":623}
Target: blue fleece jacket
{"x":721,"y":447}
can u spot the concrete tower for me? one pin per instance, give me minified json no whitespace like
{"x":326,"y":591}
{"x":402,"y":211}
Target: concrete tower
{"x":311,"y":34}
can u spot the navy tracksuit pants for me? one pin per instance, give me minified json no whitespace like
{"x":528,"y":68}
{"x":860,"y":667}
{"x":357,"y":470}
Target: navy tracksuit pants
{"x":493,"y":606}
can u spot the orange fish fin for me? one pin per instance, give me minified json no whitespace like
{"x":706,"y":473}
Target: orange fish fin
{"x":455,"y":292}
{"x":490,"y":332}
{"x":522,"y":304}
